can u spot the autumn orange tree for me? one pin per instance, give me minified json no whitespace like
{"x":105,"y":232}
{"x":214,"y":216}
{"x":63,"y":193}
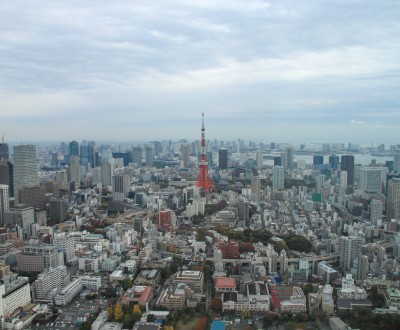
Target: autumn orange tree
{"x":202,"y":323}
{"x":118,"y":312}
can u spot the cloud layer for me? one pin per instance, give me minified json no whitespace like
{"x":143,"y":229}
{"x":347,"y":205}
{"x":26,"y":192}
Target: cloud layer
{"x":279,"y":70}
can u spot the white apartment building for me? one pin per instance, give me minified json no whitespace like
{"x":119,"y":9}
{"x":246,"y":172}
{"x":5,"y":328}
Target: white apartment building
{"x":350,"y":291}
{"x":47,"y":281}
{"x":67,"y":245}
{"x":91,"y":282}
{"x":16,"y":294}
{"x":296,"y":303}
{"x":66,"y":295}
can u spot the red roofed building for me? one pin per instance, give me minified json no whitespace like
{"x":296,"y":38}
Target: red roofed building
{"x":164,"y":219}
{"x":229,"y":250}
{"x":138,"y":294}
{"x":224,"y":284}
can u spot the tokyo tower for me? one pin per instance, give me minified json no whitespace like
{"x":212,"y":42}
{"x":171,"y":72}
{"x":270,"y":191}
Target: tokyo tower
{"x":203,"y":180}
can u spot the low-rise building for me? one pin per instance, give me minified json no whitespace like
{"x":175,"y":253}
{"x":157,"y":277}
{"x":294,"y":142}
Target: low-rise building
{"x":67,"y":294}
{"x":148,"y":277}
{"x":194,"y":279}
{"x":350,"y":291}
{"x":326,"y":272}
{"x":224,"y":284}
{"x":91,"y":282}
{"x":288,"y":299}
{"x":140,"y":295}
{"x":392,"y":297}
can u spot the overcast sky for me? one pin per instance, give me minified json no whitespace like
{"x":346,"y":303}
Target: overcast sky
{"x":285,"y":71}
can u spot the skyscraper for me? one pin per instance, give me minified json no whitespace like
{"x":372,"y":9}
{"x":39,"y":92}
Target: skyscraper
{"x":318,"y":160}
{"x":223,"y":159}
{"x":137,"y":156}
{"x":149,"y":156}
{"x":347,"y":164}
{"x":74,"y":172}
{"x":376,"y":211}
{"x":87,"y":154}
{"x":278,"y":177}
{"x":4,"y":201}
{"x":185,"y":155}
{"x":73,"y":148}
{"x":255,"y":187}
{"x":393,"y":200}
{"x":289,"y":155}
{"x":349,"y":250}
{"x":120,"y":187}
{"x":25,"y":168}
{"x":334,"y":161}
{"x":4,"y":154}
{"x":371,"y":179}
{"x":396,"y":161}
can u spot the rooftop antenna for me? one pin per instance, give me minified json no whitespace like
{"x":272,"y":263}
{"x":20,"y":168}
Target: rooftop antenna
{"x":2,"y":137}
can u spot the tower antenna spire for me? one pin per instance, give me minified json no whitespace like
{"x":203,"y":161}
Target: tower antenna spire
{"x":203,"y":180}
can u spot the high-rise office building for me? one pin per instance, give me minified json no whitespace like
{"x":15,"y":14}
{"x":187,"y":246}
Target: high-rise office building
{"x":33,"y":196}
{"x":4,"y":153}
{"x":88,"y":154}
{"x":278,"y":178}
{"x":334,"y":161}
{"x":25,"y":168}
{"x":289,"y":156}
{"x":277,"y":161}
{"x":74,"y":171}
{"x":347,"y":164}
{"x":58,"y":210}
{"x":243,"y":210}
{"x":223,"y":159}
{"x":107,"y":171}
{"x":318,"y":160}
{"x":126,"y":156}
{"x":376,"y":211}
{"x":120,"y":187}
{"x":343,"y":178}
{"x":396,"y":161}
{"x":7,"y":176}
{"x":73,"y":148}
{"x":349,"y":250}
{"x":255,"y":187}
{"x":371,"y":179}
{"x":137,"y":155}
{"x":185,"y":155}
{"x":4,"y":201}
{"x":393,"y":200}
{"x":149,"y":156}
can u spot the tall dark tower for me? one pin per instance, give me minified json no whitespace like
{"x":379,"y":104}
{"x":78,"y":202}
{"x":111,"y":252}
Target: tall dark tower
{"x":223,"y":158}
{"x":4,"y":155}
{"x":73,"y":148}
{"x":347,"y":164}
{"x":203,"y":180}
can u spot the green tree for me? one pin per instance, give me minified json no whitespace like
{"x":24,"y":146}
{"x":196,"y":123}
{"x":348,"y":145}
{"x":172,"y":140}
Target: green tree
{"x":151,"y":318}
{"x":216,"y":305}
{"x":128,"y":322}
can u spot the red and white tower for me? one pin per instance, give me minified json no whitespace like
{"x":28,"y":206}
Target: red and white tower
{"x":203,"y":180}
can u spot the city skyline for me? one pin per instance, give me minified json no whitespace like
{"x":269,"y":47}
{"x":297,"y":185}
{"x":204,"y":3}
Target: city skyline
{"x":290,"y":72}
